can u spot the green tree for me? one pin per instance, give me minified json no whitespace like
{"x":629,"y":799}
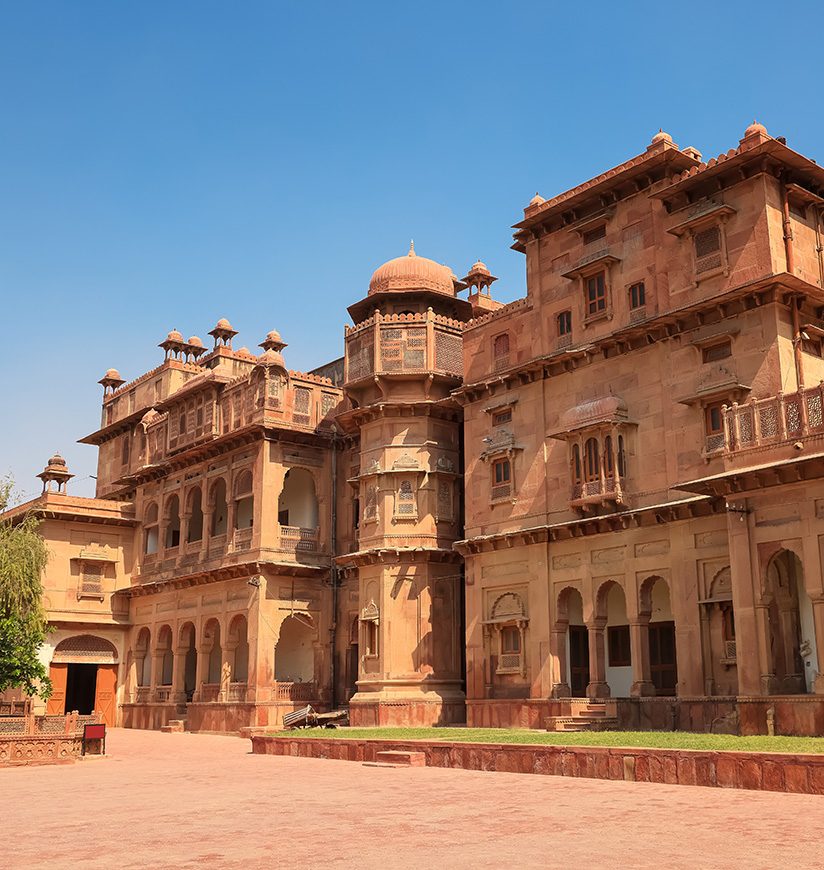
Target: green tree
{"x":23,"y":626}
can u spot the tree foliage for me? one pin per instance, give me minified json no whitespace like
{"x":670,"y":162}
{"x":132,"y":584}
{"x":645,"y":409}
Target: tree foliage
{"x":23,"y":626}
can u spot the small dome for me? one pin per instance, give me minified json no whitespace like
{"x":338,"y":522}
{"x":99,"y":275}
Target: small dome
{"x":661,"y":136}
{"x":537,"y":199}
{"x":174,"y":335}
{"x":412,"y":273}
{"x":271,"y":358}
{"x":273,"y":335}
{"x":56,"y":461}
{"x":194,"y":341}
{"x":755,"y":129}
{"x":223,"y":323}
{"x":478,"y":266}
{"x":112,"y":375}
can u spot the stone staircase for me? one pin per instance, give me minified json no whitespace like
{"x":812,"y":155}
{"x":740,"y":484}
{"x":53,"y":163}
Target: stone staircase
{"x":176,"y":726}
{"x":582,"y":714}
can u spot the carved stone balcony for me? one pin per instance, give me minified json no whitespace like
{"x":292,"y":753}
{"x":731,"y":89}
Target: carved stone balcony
{"x":771,"y":422}
{"x":242,"y":539}
{"x":602,"y":490}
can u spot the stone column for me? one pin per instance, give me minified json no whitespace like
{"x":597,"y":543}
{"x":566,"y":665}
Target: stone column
{"x":178,"y":675}
{"x":184,"y":530}
{"x":769,"y":683}
{"x":558,"y":652}
{"x":202,"y":674}
{"x":706,"y":648}
{"x":639,"y":649}
{"x":598,"y":686}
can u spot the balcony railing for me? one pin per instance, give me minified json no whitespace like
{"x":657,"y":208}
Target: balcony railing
{"x":209,"y":691}
{"x":603,"y":488}
{"x":143,"y":694}
{"x":242,"y":539}
{"x":163,"y":694}
{"x":762,"y":422}
{"x":236,"y":692}
{"x":296,"y":692}
{"x":294,"y":539}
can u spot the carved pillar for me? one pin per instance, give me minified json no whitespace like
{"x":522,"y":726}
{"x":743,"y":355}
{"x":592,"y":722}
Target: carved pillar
{"x":178,"y":675}
{"x":762,"y":622}
{"x":184,"y":529}
{"x":202,"y":674}
{"x":639,"y":649}
{"x":598,"y":686}
{"x":558,"y":653}
{"x":705,"y":613}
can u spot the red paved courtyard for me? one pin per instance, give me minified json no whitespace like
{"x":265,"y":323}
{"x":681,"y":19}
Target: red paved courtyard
{"x":180,"y":801}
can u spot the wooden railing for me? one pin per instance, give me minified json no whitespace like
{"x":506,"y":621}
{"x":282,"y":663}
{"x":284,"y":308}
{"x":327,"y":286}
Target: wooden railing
{"x":296,"y":692}
{"x":760,"y":422}
{"x":294,"y":539}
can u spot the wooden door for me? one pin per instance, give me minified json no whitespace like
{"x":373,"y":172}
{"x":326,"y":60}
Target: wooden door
{"x":105,"y":696}
{"x":662,"y":665}
{"x":56,"y":705}
{"x":578,"y":660}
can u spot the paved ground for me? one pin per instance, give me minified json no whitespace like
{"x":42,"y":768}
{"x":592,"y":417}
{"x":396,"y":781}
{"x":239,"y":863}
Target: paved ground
{"x":200,"y":801}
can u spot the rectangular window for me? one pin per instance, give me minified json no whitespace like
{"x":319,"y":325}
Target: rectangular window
{"x":707,"y":245}
{"x":501,"y":479}
{"x":595,"y":235}
{"x":564,"y":323}
{"x":715,"y":352}
{"x":619,"y":648}
{"x":510,"y":640}
{"x":715,"y":418}
{"x":596,"y":294}
{"x":812,"y":346}
{"x":501,"y":417}
{"x":637,"y":295}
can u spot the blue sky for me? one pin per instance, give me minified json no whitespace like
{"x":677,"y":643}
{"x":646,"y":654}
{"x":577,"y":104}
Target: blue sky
{"x":164,"y":164}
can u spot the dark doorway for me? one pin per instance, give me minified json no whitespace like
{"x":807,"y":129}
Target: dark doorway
{"x":578,"y":660}
{"x":81,"y":685}
{"x":662,"y":663}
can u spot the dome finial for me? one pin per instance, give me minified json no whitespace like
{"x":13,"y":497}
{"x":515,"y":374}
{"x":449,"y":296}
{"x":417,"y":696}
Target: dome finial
{"x":412,"y":249}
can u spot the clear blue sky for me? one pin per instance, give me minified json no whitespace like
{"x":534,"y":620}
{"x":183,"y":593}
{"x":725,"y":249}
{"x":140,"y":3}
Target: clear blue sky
{"x":164,"y":164}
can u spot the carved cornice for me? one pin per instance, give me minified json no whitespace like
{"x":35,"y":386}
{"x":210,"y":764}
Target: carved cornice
{"x":397,"y":555}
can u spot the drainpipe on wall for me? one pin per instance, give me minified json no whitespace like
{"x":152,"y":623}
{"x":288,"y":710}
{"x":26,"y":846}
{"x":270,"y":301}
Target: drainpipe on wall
{"x":333,"y":570}
{"x":790,"y":255}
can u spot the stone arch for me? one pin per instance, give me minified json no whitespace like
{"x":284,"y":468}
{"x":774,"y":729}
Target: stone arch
{"x":194,"y":511}
{"x":85,"y":649}
{"x":298,"y":501}
{"x":238,"y":643}
{"x":218,"y":507}
{"x":187,"y":638}
{"x":171,"y":514}
{"x":510,"y":605}
{"x":244,"y":499}
{"x":570,"y":645}
{"x":295,"y":651}
{"x":569,"y":595}
{"x":150,"y":529}
{"x":613,"y":647}
{"x":211,"y":644}
{"x":656,"y":643}
{"x":143,"y":658}
{"x":165,"y":655}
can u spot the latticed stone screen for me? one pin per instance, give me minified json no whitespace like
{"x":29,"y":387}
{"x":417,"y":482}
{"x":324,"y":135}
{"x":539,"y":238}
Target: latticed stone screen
{"x":361,"y":352}
{"x":91,"y":578}
{"x":707,"y":249}
{"x":448,"y":352}
{"x":445,"y":500}
{"x":303,"y":398}
{"x":85,"y":648}
{"x":406,"y":504}
{"x":403,"y":348}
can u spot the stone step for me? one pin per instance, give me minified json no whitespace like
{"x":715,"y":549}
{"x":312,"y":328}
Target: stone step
{"x":581,"y":723}
{"x":400,"y":758}
{"x":174,"y":726}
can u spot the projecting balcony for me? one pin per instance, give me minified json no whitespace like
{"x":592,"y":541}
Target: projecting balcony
{"x":772,"y":422}
{"x":602,"y":490}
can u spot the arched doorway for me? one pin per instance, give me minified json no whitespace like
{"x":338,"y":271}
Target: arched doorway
{"x":298,"y":504}
{"x":238,"y":645}
{"x":571,"y":612}
{"x":84,"y":677}
{"x":613,"y":643}
{"x":791,"y":629}
{"x":656,"y":607}
{"x":294,"y":651}
{"x":188,"y":649}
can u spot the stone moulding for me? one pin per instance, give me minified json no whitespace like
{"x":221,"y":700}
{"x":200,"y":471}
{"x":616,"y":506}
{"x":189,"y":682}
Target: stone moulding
{"x":758,"y":771}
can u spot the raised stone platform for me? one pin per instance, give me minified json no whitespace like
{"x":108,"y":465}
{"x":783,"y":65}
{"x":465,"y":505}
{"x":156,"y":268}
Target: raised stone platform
{"x":760,"y":771}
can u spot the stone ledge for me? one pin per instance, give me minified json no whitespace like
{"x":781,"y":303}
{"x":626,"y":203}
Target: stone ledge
{"x":759,"y":771}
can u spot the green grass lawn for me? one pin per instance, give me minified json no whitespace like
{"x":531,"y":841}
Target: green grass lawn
{"x":650,"y":739}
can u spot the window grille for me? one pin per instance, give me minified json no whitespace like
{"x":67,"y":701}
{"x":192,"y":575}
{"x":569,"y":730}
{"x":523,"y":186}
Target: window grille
{"x":707,"y":249}
{"x":500,"y":351}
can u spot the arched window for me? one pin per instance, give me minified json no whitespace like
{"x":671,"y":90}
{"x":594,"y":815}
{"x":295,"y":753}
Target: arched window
{"x":609,"y":462}
{"x":592,"y":460}
{"x":217,"y":500}
{"x":195,"y":510}
{"x":622,"y":462}
{"x":124,"y":457}
{"x":150,"y":530}
{"x":577,"y":477}
{"x":244,"y":501}
{"x":173,"y":520}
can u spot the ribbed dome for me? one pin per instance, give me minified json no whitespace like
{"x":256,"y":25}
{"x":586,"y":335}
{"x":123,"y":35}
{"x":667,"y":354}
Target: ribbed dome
{"x":174,"y":335}
{"x":755,"y":128}
{"x":112,"y":374}
{"x":413,"y":273}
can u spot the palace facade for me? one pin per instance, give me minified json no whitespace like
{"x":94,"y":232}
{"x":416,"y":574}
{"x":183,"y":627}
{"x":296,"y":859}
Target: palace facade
{"x":601,"y":503}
